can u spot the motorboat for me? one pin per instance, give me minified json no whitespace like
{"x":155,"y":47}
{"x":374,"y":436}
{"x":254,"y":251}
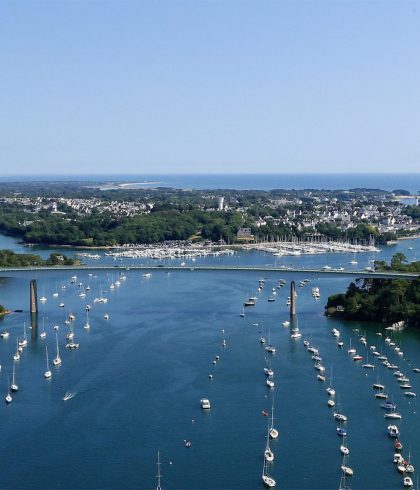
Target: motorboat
{"x":270,"y":383}
{"x":205,"y":404}
{"x":320,"y":377}
{"x":339,"y":416}
{"x":381,"y":395}
{"x":393,"y":431}
{"x":4,"y":334}
{"x":410,"y":393}
{"x":285,"y":323}
{"x":341,"y":431}
{"x":408,"y":482}
{"x":398,"y":458}
{"x":331,"y":403}
{"x":357,"y":357}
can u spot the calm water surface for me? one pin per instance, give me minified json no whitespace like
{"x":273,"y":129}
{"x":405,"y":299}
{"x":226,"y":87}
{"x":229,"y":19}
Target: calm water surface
{"x":139,"y":377}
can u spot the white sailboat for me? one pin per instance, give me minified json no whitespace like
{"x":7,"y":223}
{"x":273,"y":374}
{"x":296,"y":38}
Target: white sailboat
{"x":330,"y":389}
{"x":343,"y":448}
{"x":43,"y":334}
{"x":270,"y":348}
{"x":273,"y":432}
{"x":8,"y":396}
{"x":14,"y":386}
{"x":57,"y":359}
{"x":86,"y":326}
{"x":267,"y":480}
{"x":268,"y":453}
{"x":43,"y":298}
{"x":47,"y":373}
{"x":24,"y":341}
{"x":16,"y":357}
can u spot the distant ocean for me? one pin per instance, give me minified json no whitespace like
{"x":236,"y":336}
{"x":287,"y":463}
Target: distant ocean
{"x":389,"y":182}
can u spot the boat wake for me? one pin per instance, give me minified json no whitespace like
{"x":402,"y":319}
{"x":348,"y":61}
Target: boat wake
{"x":69,"y":394}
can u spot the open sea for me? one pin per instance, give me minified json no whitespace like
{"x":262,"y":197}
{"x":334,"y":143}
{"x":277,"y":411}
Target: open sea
{"x":389,"y":182}
{"x":138,"y":377}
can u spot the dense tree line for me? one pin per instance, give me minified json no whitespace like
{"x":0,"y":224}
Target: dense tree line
{"x":12,"y":259}
{"x":381,"y":300}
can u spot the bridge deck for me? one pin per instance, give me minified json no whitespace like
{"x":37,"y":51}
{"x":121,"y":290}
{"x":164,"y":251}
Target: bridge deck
{"x":202,"y":268}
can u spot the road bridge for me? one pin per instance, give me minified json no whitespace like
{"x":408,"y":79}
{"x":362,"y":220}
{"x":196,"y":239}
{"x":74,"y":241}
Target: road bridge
{"x":10,"y":271}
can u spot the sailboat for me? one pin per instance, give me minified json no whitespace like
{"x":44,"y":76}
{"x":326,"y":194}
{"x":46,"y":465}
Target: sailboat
{"x":24,"y":341}
{"x":242,"y":314}
{"x":262,"y":338}
{"x":330,"y":389}
{"x":158,"y":476}
{"x":86,"y":326}
{"x":344,"y":468}
{"x":267,"y":480}
{"x":8,"y":397}
{"x":343,"y":448}
{"x":43,"y":334}
{"x":351,"y":350}
{"x":368,"y":365}
{"x":43,"y":298}
{"x":268,"y":453}
{"x":270,"y":348}
{"x":273,"y":432}
{"x":14,"y":386}
{"x":47,"y":373}
{"x":343,"y":483}
{"x":16,"y":357}
{"x":57,"y":359}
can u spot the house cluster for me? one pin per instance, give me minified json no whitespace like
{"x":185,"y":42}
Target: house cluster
{"x":61,"y":205}
{"x":386,"y":215}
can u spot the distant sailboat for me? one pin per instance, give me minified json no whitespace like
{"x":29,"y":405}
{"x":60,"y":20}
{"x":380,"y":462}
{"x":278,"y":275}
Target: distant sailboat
{"x":273,"y":432}
{"x":47,"y":373}
{"x":86,"y":326}
{"x":14,"y":386}
{"x":8,"y":397}
{"x":267,"y":480}
{"x":43,"y":334}
{"x":57,"y":359}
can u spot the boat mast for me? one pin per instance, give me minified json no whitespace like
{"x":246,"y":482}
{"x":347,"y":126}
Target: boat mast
{"x":158,"y":475}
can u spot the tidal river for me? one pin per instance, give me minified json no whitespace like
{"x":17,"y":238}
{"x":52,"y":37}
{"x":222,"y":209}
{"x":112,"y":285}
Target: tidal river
{"x":137,"y":378}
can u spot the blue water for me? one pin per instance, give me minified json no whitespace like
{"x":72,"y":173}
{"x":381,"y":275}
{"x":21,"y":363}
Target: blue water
{"x":139,"y":377}
{"x":410,"y":182}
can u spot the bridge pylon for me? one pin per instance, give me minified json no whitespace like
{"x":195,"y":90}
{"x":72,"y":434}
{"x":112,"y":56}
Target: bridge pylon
{"x":292,"y":298}
{"x":33,"y":297}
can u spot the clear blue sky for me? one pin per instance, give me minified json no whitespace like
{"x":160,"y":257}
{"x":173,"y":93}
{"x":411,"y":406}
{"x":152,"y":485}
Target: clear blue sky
{"x":209,"y":86}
